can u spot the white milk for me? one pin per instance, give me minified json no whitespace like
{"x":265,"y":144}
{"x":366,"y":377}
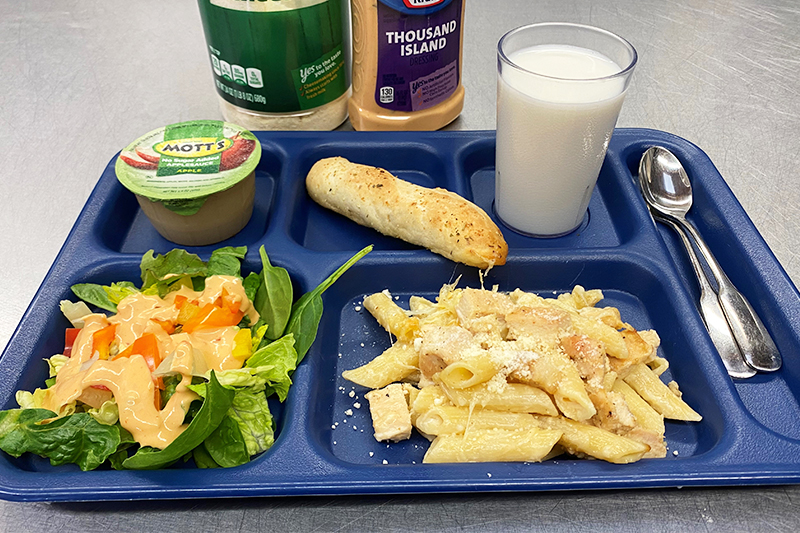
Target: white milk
{"x":552,"y":135}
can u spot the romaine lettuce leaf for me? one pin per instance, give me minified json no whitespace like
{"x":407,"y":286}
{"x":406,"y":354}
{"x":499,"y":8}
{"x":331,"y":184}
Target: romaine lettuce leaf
{"x":77,"y":438}
{"x":269,"y":368}
{"x":164,"y":270}
{"x":251,"y":411}
{"x":253,"y":429}
{"x":119,"y":291}
{"x":75,"y":312}
{"x":107,"y":414}
{"x":235,"y":377}
{"x":278,"y":360}
{"x":55,"y":363}
{"x":31,"y":400}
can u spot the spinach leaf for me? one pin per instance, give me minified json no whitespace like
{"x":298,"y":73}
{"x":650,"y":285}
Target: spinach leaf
{"x":274,"y":297}
{"x":226,"y":261}
{"x":94,"y":294}
{"x":77,"y":438}
{"x":163,"y":270}
{"x":307,"y":311}
{"x":217,"y":402}
{"x":202,"y":459}
{"x":251,"y":284}
{"x":226,"y":444}
{"x":118,"y":457}
{"x":104,"y":296}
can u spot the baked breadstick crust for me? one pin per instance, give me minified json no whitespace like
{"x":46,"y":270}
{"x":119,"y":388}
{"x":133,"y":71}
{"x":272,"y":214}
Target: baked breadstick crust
{"x":436,"y":219}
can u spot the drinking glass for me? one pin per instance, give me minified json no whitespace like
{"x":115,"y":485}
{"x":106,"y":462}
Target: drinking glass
{"x":560,"y":88}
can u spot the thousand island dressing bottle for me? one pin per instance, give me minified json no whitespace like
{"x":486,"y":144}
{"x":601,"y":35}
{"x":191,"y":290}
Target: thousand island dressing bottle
{"x":406,"y":64}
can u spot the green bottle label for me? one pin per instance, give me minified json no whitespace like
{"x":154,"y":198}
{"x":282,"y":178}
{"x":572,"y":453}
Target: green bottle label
{"x":276,"y":56}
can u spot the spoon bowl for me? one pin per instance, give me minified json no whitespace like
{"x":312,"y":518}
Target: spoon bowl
{"x":664,"y":182}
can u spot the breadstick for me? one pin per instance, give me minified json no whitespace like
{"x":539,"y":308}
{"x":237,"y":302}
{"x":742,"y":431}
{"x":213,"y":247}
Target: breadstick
{"x":437,"y":219}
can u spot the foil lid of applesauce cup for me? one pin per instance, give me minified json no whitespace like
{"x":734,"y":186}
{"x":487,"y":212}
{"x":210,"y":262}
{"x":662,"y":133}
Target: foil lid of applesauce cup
{"x":181,"y":165}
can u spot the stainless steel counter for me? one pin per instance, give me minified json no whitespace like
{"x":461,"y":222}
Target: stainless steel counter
{"x":82,"y":78}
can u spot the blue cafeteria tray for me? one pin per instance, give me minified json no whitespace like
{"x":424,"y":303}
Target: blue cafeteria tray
{"x":750,"y":433}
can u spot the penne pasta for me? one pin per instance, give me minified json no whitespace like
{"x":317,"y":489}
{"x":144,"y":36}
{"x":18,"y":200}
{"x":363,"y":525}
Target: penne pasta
{"x":395,"y":364}
{"x":447,"y":419}
{"x":480,"y":446}
{"x":593,"y":441}
{"x":554,"y":373}
{"x":391,"y":316}
{"x":468,"y":372}
{"x":517,"y":377}
{"x":646,"y":383}
{"x":515,"y":397}
{"x":646,"y":417}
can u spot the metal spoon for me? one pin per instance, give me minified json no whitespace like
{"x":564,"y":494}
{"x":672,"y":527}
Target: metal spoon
{"x":667,"y":190}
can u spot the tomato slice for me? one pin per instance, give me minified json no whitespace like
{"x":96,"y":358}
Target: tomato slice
{"x":69,"y":340}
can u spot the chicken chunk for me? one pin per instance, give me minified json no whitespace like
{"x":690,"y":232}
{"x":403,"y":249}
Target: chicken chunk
{"x":441,"y":346}
{"x":391,"y":417}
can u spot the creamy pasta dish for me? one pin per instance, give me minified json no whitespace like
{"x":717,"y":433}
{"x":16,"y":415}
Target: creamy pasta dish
{"x":491,"y":376}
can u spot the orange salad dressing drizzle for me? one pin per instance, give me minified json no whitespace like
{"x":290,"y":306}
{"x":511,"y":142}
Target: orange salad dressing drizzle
{"x":129,"y":379}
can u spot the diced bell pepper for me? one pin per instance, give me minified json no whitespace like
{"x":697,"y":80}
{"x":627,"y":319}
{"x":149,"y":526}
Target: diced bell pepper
{"x":242,"y":344}
{"x":102,"y":339}
{"x":211,"y":316}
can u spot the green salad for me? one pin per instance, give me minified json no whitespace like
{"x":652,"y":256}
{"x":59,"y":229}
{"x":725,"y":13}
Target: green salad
{"x":177,"y":368}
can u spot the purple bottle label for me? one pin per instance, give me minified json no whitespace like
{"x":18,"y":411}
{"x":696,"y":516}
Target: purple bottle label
{"x":417,"y":53}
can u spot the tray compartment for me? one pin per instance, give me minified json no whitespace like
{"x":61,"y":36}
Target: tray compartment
{"x":749,"y":264}
{"x":612,"y":219}
{"x":320,"y":229}
{"x":641,"y":292}
{"x":50,"y":341}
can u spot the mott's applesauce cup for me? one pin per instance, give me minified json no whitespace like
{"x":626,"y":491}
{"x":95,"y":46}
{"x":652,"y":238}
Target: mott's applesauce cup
{"x":195,"y":181}
{"x":278,"y":64}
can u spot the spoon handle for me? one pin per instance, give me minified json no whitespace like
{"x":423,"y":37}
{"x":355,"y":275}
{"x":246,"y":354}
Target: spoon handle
{"x":711,"y":311}
{"x":751,"y":335}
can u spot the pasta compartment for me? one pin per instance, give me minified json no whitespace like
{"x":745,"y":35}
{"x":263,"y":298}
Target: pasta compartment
{"x":639,"y":293}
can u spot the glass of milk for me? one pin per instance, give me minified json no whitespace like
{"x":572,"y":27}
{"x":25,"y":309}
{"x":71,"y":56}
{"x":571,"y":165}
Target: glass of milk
{"x":560,"y":88}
